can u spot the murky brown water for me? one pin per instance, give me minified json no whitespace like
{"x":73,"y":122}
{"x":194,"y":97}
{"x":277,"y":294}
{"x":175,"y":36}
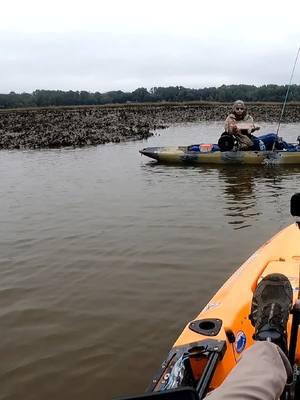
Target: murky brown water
{"x":104,"y":257}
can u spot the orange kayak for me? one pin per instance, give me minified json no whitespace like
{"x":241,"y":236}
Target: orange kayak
{"x":212,"y":343}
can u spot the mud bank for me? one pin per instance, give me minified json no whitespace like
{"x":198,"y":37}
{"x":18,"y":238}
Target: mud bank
{"x":80,"y":126}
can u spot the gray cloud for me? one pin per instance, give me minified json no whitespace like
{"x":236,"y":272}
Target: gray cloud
{"x":143,"y":48}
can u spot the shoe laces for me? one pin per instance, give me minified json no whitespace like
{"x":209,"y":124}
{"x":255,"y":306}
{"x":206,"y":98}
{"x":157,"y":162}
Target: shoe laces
{"x":273,"y":317}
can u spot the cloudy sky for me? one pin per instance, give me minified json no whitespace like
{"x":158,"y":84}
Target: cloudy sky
{"x":102,"y":45}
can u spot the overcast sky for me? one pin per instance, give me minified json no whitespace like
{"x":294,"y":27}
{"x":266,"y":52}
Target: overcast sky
{"x":107,"y":45}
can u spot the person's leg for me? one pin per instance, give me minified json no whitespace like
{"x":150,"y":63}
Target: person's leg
{"x":256,"y":143}
{"x":263,"y":369}
{"x":261,"y":374}
{"x":268,"y":140}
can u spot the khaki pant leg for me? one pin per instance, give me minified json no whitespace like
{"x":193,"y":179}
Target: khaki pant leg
{"x":261,"y":374}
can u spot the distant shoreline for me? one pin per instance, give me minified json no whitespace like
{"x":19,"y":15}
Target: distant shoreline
{"x":56,"y":127}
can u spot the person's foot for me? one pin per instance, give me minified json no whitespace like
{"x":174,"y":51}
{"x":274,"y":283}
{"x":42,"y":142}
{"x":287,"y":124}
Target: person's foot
{"x":271,"y":305}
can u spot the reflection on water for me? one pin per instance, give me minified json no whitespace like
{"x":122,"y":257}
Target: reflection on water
{"x":242,"y":187}
{"x":105,"y":256}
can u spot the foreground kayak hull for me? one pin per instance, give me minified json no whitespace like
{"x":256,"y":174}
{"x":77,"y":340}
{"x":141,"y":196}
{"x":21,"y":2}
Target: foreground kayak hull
{"x":181,"y":155}
{"x":225,"y":318}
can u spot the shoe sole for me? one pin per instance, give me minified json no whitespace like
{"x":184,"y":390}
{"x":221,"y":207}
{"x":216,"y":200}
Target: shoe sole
{"x":275,"y":280}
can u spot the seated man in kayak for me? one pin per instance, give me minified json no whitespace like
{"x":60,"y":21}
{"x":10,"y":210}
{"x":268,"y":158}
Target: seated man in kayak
{"x":264,"y":369}
{"x":240,"y":124}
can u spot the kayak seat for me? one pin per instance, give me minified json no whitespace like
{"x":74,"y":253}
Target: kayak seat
{"x":182,"y":393}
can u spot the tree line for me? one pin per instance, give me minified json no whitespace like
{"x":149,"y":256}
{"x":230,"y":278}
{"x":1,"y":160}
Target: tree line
{"x":224,"y":93}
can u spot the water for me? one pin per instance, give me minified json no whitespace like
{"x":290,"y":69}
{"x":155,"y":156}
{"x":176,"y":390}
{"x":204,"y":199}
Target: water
{"x":106,"y":255}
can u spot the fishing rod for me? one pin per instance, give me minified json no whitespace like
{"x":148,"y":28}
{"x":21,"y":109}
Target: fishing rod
{"x":287,"y":94}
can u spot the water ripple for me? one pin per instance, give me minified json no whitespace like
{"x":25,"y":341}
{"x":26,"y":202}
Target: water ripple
{"x":105,"y":256}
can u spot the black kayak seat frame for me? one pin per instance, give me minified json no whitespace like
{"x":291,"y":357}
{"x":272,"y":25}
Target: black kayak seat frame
{"x":182,"y":393}
{"x":295,"y":205}
{"x":211,"y":349}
